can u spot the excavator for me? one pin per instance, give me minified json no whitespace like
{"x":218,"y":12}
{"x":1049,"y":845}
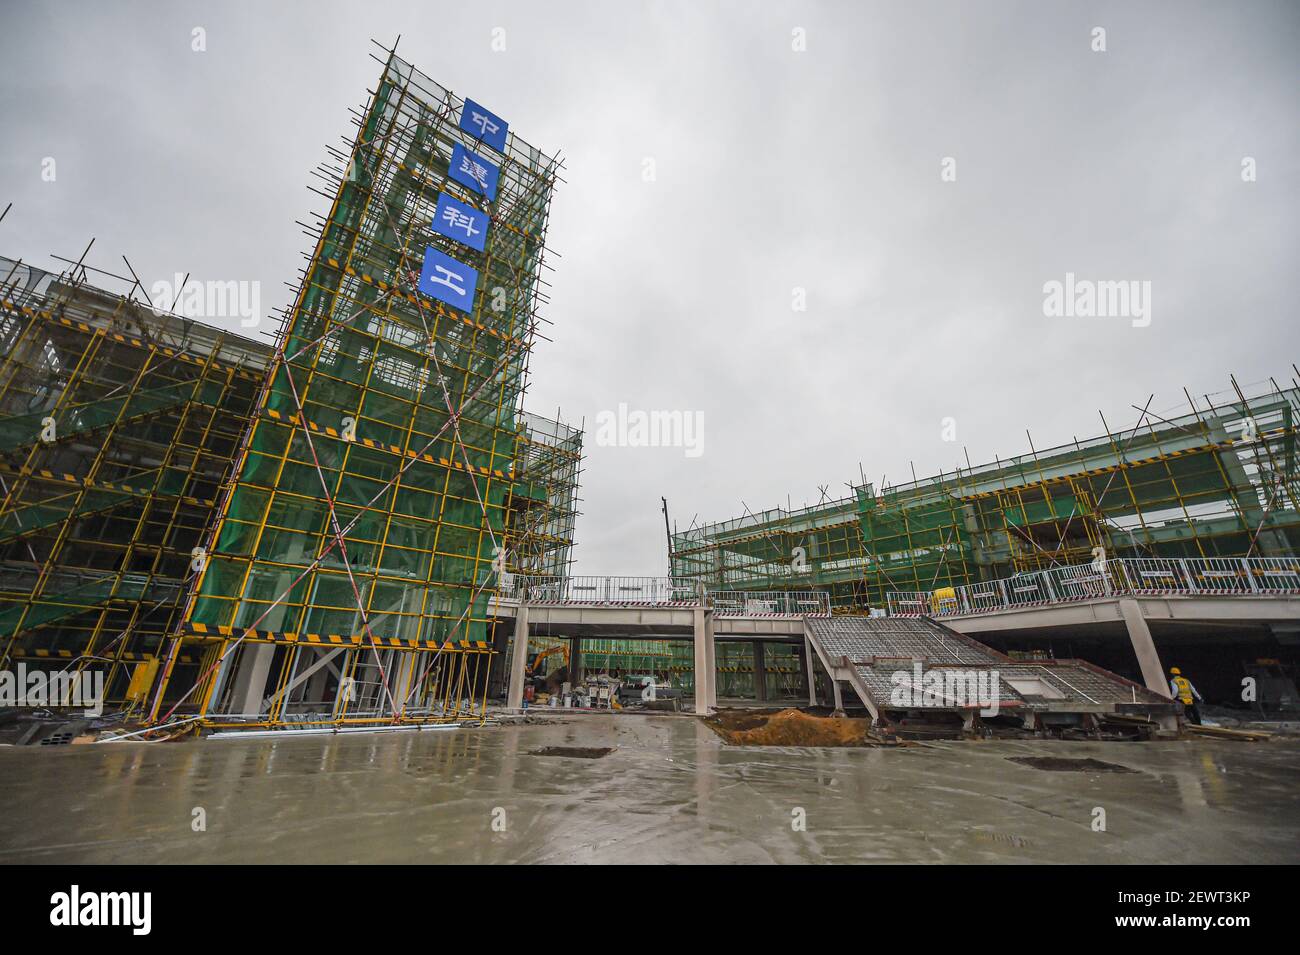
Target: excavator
{"x":535,"y":666}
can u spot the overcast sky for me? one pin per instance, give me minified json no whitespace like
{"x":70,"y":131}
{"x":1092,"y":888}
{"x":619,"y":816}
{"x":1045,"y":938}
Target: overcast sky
{"x":775,"y":169}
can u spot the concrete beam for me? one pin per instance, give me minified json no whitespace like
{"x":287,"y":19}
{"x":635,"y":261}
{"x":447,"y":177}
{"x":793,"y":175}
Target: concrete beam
{"x":1139,"y":634}
{"x":854,"y":679}
{"x":1191,"y":609}
{"x":810,"y":672}
{"x":839,"y":697}
{"x":598,"y":620}
{"x":758,"y":626}
{"x":602,"y":621}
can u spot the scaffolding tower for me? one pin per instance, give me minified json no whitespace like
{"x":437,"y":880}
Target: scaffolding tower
{"x":309,"y":532}
{"x":118,"y":427}
{"x":542,"y":507}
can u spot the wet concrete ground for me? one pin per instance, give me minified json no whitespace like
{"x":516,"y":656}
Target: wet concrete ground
{"x":669,"y":792}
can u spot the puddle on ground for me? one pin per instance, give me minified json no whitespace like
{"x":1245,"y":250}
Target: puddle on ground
{"x":1060,"y":764}
{"x":574,"y":752}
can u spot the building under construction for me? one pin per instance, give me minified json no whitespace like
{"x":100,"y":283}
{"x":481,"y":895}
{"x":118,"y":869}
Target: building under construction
{"x":1219,"y":480}
{"x":335,"y":528}
{"x":309,"y":531}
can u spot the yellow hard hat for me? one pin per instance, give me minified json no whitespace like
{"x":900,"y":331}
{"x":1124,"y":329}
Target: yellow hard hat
{"x":1175,"y":671}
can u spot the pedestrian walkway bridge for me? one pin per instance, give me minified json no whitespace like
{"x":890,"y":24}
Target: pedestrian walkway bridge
{"x":613,"y":607}
{"x":1123,"y":596}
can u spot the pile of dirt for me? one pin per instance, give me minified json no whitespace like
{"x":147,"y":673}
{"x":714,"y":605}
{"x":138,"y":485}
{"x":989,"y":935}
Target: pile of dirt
{"x":789,"y":728}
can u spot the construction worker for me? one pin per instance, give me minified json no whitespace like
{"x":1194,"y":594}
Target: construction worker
{"x":1181,"y":689}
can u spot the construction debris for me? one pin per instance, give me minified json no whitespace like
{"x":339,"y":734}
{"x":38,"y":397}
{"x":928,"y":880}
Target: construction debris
{"x":1221,"y":732}
{"x":909,"y":670}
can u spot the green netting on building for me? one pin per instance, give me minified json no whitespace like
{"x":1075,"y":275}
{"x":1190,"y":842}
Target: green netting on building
{"x":672,"y":663}
{"x":1219,"y":481}
{"x":118,"y":425}
{"x":357,"y":408}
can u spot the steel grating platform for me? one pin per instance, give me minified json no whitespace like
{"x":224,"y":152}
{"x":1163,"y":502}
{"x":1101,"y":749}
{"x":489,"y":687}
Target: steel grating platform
{"x":877,"y":655}
{"x":867,"y":639}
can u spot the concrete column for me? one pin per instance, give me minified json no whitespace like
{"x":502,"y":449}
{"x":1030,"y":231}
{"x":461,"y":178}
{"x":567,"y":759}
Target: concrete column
{"x":839,"y":697}
{"x":575,"y":660}
{"x":518,"y":659}
{"x":400,"y":675}
{"x":316,"y":684}
{"x":250,"y":681}
{"x":711,"y":644}
{"x":760,"y":672}
{"x":1153,"y":674}
{"x":705,"y":685}
{"x":809,"y":672}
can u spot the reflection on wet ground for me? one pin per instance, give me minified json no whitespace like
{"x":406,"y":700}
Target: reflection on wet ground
{"x":670,"y":791}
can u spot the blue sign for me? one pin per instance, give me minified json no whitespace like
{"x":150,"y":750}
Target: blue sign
{"x":458,"y":221}
{"x":472,"y":170}
{"x":485,"y":125}
{"x":447,"y":280}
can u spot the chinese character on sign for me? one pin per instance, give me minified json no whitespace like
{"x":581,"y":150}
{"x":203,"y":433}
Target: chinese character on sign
{"x":476,"y":171}
{"x":458,"y":220}
{"x":461,"y":222}
{"x":484,"y":125}
{"x":472,"y":170}
{"x":445,"y":276}
{"x":447,"y":280}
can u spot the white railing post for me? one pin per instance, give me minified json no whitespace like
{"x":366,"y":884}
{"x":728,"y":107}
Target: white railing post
{"x":1047,"y":585}
{"x":1124,"y":580}
{"x":1254,"y":584}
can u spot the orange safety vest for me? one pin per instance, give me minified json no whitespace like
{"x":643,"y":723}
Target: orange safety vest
{"x":1184,"y":689}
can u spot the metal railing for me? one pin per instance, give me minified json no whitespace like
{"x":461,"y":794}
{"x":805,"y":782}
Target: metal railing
{"x":1122,"y":576}
{"x":653,"y":591}
{"x":771,"y":603}
{"x":666,"y":591}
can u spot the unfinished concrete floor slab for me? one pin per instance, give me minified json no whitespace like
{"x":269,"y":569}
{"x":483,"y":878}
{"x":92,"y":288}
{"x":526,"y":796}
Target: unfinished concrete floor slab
{"x":670,"y":791}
